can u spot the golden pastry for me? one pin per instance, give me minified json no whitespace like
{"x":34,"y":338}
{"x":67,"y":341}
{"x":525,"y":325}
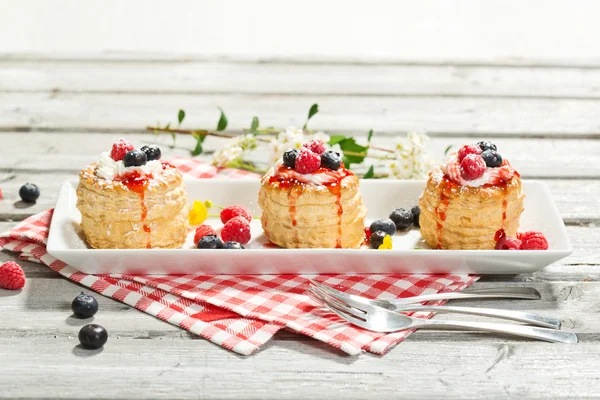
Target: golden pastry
{"x":472,"y":201}
{"x":132,"y":206}
{"x":315,"y":206}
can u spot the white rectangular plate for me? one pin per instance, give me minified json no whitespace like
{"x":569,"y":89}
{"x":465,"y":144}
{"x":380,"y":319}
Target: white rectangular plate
{"x":409,"y":255}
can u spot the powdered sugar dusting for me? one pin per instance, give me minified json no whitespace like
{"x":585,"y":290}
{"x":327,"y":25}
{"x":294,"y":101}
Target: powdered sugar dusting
{"x":491,"y":176}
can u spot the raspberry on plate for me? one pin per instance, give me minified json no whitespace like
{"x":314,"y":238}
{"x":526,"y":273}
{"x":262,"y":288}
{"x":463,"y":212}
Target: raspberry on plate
{"x":472,"y":167}
{"x":316,"y":146}
{"x":533,"y":240}
{"x":120,"y":148}
{"x":201,"y":231}
{"x":468,"y":149}
{"x":236,"y":230}
{"x":508,"y":243}
{"x":235,"y":211}
{"x":307,"y":161}
{"x":12,"y":276}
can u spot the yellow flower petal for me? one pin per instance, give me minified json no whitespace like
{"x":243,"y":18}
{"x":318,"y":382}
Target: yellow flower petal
{"x":198,"y":213}
{"x":387,"y":243}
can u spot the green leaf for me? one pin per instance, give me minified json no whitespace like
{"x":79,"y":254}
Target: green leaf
{"x":254,"y":125}
{"x":180,"y":116}
{"x":168,"y":126}
{"x":370,"y":136}
{"x":447,"y":150}
{"x":311,"y":113}
{"x":370,"y":173}
{"x":199,"y":140}
{"x":335,"y":139}
{"x":174,"y":137}
{"x":349,"y":145}
{"x":222,"y":124}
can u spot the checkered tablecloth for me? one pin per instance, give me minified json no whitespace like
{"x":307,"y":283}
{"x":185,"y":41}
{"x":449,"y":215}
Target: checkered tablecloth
{"x":239,"y":313}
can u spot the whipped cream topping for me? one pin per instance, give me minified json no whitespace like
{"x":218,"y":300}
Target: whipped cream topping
{"x":491,"y":176}
{"x":110,"y":169}
{"x":322,"y":177}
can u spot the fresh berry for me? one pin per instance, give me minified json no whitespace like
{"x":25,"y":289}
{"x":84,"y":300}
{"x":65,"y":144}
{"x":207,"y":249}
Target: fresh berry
{"x":289,"y":158}
{"x":152,"y":152}
{"x":402,"y":218}
{"x":376,"y":239}
{"x":492,"y":158}
{"x":120,"y":148}
{"x":472,"y":167}
{"x":307,"y":162}
{"x":135,"y":158}
{"x":235,"y":211}
{"x":84,"y":306}
{"x":368,"y":234}
{"x":332,"y":160}
{"x":201,"y":231}
{"x":487,"y":145}
{"x":232,"y":245}
{"x":210,"y":242}
{"x":93,"y":336}
{"x":508,"y":243}
{"x":416,"y":214}
{"x":386,"y":225}
{"x":316,"y":146}
{"x":1,"y":194}
{"x":533,"y":241}
{"x":29,"y":193}
{"x":466,"y":150}
{"x":236,"y":230}
{"x":12,"y":276}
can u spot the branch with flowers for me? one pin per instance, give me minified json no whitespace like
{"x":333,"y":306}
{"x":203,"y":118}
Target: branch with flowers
{"x":408,"y":159}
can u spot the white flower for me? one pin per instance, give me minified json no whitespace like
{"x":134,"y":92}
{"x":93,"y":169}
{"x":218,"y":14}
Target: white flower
{"x":411,"y":161}
{"x":234,"y":150}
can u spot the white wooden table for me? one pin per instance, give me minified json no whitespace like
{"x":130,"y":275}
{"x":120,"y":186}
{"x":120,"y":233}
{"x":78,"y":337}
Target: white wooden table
{"x":57,"y":114}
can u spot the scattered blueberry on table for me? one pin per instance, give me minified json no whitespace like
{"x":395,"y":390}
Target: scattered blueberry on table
{"x":84,"y":306}
{"x":210,"y":242}
{"x":402,"y":218}
{"x":29,"y":193}
{"x":93,"y":336}
{"x":385,"y":225}
{"x":233,"y":245}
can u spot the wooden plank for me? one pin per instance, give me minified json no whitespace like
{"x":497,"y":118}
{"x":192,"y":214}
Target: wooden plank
{"x":194,"y":369}
{"x":356,"y":114}
{"x":308,"y":79}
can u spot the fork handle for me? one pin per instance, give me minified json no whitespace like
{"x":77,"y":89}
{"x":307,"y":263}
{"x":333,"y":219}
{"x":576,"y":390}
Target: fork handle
{"x":527,"y":318}
{"x":547,"y":335}
{"x":526,"y":293}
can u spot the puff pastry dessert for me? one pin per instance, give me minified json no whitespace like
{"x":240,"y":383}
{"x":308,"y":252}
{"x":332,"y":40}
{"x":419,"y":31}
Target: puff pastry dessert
{"x":472,"y":201}
{"x":310,"y":200}
{"x":129,"y":199}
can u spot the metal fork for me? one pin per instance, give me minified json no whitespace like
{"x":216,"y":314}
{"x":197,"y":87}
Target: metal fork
{"x":528,"y":318}
{"x":379,"y":319}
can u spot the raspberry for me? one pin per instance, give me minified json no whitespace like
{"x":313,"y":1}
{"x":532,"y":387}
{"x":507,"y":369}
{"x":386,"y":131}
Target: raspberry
{"x":316,"y":146}
{"x":307,"y":161}
{"x":472,"y":167}
{"x":11,"y":276}
{"x":508,"y":243}
{"x":201,"y":231}
{"x":235,"y":211}
{"x":468,"y":149}
{"x":236,"y":230}
{"x":533,"y":241}
{"x":120,"y":148}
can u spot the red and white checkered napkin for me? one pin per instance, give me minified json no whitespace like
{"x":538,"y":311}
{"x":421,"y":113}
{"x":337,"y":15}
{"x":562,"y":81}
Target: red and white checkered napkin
{"x":240,"y":313}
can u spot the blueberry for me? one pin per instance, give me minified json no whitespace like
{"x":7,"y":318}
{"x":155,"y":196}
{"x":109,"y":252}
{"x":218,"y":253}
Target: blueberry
{"x":135,"y":158}
{"x":376,"y":239}
{"x":402,"y":218}
{"x":232,"y":245}
{"x":210,"y":242}
{"x":84,"y":306}
{"x":492,"y":158}
{"x":416,"y":213}
{"x":93,"y":336}
{"x":29,"y":193}
{"x":331,"y":159}
{"x":386,"y":225}
{"x":289,"y":158}
{"x":486,"y":145}
{"x":152,"y":152}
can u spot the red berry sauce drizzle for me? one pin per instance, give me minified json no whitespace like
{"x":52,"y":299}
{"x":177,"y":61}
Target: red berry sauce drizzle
{"x":137,"y":182}
{"x":295,"y":186}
